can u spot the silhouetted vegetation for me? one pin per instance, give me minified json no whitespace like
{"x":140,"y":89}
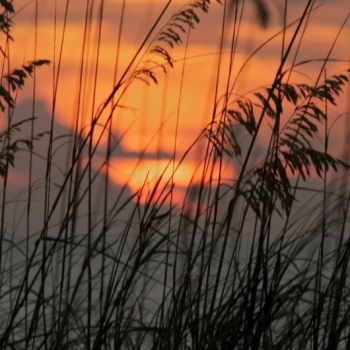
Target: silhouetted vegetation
{"x":252,"y":262}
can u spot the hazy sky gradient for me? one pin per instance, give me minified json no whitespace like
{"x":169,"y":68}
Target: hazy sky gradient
{"x":158,"y":118}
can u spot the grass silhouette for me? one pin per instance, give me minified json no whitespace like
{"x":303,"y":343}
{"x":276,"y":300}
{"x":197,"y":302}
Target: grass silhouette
{"x":258,"y":261}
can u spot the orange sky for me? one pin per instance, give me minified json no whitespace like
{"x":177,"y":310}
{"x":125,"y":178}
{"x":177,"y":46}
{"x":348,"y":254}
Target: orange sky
{"x":157,"y":119}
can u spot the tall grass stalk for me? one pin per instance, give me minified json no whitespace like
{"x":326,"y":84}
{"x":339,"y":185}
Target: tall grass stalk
{"x":256,"y":261}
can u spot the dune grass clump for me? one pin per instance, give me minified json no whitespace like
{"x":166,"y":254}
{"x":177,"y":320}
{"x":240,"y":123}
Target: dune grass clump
{"x":257,"y":261}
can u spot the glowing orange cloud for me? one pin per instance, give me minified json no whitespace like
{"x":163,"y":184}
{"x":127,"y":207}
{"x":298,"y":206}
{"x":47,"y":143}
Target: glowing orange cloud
{"x":163,"y":116}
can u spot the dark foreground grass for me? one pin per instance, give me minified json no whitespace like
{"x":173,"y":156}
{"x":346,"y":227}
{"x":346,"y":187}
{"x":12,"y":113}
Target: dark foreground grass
{"x":257,"y":262}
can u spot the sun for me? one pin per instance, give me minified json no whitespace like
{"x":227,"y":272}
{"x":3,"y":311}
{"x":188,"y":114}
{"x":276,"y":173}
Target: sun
{"x":162,"y":180}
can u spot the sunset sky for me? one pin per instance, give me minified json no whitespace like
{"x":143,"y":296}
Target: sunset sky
{"x":165,"y":118}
